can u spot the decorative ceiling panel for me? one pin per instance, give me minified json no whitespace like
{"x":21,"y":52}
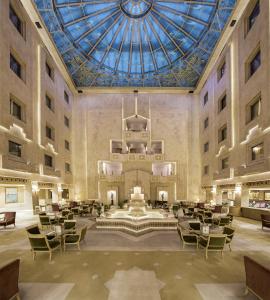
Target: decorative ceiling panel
{"x":143,"y":43}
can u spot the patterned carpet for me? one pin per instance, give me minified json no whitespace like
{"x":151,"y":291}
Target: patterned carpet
{"x":114,"y":265}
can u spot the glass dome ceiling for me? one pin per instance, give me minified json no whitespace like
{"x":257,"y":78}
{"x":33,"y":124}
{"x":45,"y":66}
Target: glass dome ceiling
{"x":136,"y":43}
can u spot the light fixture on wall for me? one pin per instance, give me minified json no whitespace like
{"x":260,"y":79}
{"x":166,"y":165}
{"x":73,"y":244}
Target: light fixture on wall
{"x":59,"y":188}
{"x":214,"y":189}
{"x":238,"y":188}
{"x":35,"y":187}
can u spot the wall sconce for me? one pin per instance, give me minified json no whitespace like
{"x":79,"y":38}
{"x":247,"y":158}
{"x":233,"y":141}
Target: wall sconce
{"x":238,"y":189}
{"x":214,"y":189}
{"x":35,"y":187}
{"x":59,"y":188}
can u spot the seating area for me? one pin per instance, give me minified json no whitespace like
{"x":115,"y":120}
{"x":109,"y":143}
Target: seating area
{"x":206,"y":229}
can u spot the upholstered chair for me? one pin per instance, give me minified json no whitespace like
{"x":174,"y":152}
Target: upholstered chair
{"x":9,"y":277}
{"x":257,"y":279}
{"x":45,"y":221}
{"x":265,"y":221}
{"x":230,"y":233}
{"x":223,"y":221}
{"x":75,"y":211}
{"x":70,"y":225}
{"x":9,"y":219}
{"x":187,"y":238}
{"x":208,"y":214}
{"x":65,"y":212}
{"x":194,"y":225}
{"x":207,"y":220}
{"x":213,"y":242}
{"x":40,"y":243}
{"x":75,"y":238}
{"x":34,"y":229}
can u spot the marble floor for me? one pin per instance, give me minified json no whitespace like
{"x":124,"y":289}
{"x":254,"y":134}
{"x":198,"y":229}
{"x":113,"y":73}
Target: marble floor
{"x":115,"y":265}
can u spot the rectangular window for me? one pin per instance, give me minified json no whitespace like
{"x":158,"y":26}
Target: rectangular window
{"x":206,"y":170}
{"x":222,"y":134}
{"x":253,"y":64}
{"x":66,"y":121}
{"x":48,"y":160}
{"x":221,"y":70}
{"x":49,"y":70}
{"x":66,"y":97}
{"x":225,"y":163}
{"x":253,"y":109}
{"x":206,"y":147}
{"x":253,"y":16}
{"x":15,"y":19}
{"x":49,"y":103}
{"x":66,"y":145}
{"x":222,"y":103}
{"x":206,"y":123}
{"x":15,"y":149}
{"x":205,"y":98}
{"x":11,"y":195}
{"x":67,"y":167}
{"x":49,"y":132}
{"x":15,"y":66}
{"x":257,"y":152}
{"x":16,"y":109}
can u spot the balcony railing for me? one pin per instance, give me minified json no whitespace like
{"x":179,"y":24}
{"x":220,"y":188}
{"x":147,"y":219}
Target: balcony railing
{"x":136,"y":157}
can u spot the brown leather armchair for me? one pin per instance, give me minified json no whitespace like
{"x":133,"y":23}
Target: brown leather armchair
{"x":9,"y":277}
{"x":265,"y":221}
{"x":257,"y":278}
{"x":9,"y":219}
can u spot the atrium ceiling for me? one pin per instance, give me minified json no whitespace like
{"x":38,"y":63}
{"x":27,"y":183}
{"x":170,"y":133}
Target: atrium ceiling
{"x":135,"y":43}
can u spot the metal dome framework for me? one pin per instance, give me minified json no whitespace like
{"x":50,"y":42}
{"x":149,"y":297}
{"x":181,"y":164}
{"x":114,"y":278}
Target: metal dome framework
{"x":135,"y":43}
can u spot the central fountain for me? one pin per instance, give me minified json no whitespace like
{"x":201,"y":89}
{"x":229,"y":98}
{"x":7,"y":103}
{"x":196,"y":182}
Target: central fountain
{"x":137,"y":218}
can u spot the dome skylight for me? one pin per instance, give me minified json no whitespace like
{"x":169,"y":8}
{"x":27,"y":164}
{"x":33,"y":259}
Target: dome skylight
{"x":152,"y":43}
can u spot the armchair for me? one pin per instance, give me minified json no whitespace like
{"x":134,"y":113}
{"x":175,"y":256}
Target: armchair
{"x":34,"y":229}
{"x":194,"y":225}
{"x":208,"y":214}
{"x":213,"y":242}
{"x":187,"y":238}
{"x":69,"y":225}
{"x":265,"y":221}
{"x":75,"y":238}
{"x":223,"y":221}
{"x":40,"y":243}
{"x":45,"y":221}
{"x":84,"y":210}
{"x":75,"y":211}
{"x":9,"y":219}
{"x":9,"y":277}
{"x":257,"y":278}
{"x":65,"y":212}
{"x":230,"y":233}
{"x":207,"y":220}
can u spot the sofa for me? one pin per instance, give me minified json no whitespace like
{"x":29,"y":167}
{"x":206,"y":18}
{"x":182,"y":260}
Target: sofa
{"x":265,"y":221}
{"x":9,"y":277}
{"x":8,"y":219}
{"x":257,"y":278}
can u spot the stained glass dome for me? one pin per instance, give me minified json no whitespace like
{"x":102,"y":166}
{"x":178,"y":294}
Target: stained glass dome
{"x":138,"y":43}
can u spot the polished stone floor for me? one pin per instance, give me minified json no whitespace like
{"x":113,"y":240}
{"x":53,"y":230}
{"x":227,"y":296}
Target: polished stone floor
{"x":114,"y":265}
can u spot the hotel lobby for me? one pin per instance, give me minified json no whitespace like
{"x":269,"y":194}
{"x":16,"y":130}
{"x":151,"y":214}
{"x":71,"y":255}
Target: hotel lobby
{"x":134,"y":149}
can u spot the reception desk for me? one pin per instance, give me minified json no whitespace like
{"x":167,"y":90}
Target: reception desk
{"x":254,"y":213}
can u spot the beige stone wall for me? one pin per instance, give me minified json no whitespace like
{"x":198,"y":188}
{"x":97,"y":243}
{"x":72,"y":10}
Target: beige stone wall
{"x":97,"y":120}
{"x":30,"y":92}
{"x":241,"y":135}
